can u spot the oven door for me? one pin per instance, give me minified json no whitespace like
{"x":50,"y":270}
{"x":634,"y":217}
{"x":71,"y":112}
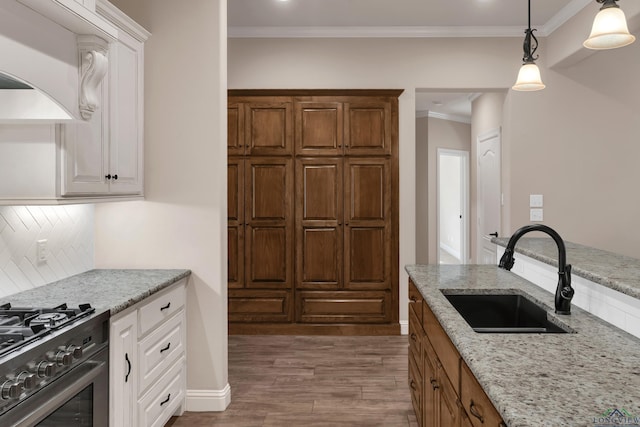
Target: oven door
{"x":80,"y":398}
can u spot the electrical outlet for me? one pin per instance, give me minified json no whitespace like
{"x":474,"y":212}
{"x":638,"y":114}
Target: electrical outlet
{"x":42,"y":250}
{"x":535,"y":200}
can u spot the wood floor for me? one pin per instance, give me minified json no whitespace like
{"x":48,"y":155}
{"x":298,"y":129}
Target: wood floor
{"x":313,"y":381}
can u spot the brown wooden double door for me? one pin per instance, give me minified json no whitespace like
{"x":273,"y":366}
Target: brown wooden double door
{"x":312,"y":226}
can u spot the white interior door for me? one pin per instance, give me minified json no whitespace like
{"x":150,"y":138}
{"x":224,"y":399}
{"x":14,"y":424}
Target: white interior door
{"x":453,"y":206}
{"x":489,"y":195}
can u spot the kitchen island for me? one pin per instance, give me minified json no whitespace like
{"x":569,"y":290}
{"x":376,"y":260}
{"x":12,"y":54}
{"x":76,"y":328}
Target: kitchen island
{"x":537,"y":379}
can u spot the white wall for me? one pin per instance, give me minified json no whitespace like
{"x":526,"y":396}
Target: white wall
{"x":69,"y":234}
{"x":182,"y":223}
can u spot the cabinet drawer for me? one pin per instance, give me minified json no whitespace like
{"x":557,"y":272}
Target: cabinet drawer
{"x":343,"y":307}
{"x":157,"y":406}
{"x":447,"y":353}
{"x":476,"y":404}
{"x":415,"y":301}
{"x":259,"y":306}
{"x":161,"y":308}
{"x":159,"y":350}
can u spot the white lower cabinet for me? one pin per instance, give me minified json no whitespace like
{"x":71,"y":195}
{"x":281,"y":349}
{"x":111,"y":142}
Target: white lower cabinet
{"x":148,"y":360}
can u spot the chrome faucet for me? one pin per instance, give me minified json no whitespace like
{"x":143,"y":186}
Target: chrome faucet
{"x":564,"y":291}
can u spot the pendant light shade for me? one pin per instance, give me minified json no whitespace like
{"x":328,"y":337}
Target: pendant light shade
{"x":609,"y":28}
{"x":529,"y":78}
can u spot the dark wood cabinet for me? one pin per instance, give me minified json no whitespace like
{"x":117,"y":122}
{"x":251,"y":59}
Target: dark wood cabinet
{"x":448,"y":395}
{"x":313,"y":211}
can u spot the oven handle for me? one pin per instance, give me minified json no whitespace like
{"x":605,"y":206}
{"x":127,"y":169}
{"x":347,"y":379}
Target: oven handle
{"x":77,"y":379}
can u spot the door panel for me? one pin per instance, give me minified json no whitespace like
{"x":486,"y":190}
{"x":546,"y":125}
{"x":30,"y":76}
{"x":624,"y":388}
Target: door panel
{"x":260,"y":306}
{"x":342,"y":307}
{"x":235,"y":222}
{"x":368,"y":128}
{"x":235,"y":129}
{"x":268,"y":250}
{"x":269,"y":128}
{"x":319,"y":223}
{"x":319,"y":128}
{"x":235,"y":191}
{"x":269,"y":186}
{"x":367,"y":229}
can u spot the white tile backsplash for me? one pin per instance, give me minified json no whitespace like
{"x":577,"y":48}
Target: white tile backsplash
{"x":69,"y":234}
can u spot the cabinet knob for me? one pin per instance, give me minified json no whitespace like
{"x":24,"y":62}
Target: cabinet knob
{"x":108,"y":176}
{"x":115,"y":176}
{"x":434,"y":384}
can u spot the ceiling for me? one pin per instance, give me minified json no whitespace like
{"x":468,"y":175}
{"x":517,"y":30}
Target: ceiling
{"x":412,"y":18}
{"x":402,"y":18}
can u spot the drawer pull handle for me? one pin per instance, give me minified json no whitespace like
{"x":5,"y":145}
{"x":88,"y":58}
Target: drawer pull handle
{"x":414,"y":337}
{"x":165,"y":307}
{"x":413,"y":299}
{"x":162,"y":350}
{"x":166,"y":400}
{"x":412,"y":384}
{"x":474,"y":411}
{"x":434,"y":384}
{"x":126,"y":358}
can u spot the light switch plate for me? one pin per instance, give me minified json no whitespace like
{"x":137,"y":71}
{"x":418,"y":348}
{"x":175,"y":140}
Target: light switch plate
{"x":535,"y":200}
{"x":536,"y":215}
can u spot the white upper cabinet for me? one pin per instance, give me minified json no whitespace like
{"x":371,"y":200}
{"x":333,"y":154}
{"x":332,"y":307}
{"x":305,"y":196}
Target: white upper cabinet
{"x":104,"y":156}
{"x":96,"y":152}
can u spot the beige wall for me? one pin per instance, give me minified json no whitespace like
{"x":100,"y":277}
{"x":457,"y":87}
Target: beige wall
{"x":422,"y":190}
{"x":380,"y":63}
{"x":182,"y":223}
{"x":550,"y":127}
{"x":442,"y":134}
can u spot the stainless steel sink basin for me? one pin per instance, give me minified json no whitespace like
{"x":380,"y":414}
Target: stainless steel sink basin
{"x":510,"y":313}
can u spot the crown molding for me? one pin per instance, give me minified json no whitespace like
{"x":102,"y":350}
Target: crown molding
{"x":373,"y":32}
{"x":566,"y":13}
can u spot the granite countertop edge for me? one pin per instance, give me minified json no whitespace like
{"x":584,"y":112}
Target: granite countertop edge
{"x":499,"y":361}
{"x":585,"y":271}
{"x":112,"y":290}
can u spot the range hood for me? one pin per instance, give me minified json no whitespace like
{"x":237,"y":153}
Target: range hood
{"x":54,"y":57}
{"x":19,"y":102}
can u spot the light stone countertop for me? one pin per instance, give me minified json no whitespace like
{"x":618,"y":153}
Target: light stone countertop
{"x":105,"y":290}
{"x":537,"y":379}
{"x":615,"y":271}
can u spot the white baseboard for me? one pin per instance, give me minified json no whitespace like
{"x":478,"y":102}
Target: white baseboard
{"x":208,"y":400}
{"x":404,"y":327}
{"x":448,"y":249}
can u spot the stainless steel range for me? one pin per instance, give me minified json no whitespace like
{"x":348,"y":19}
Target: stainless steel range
{"x":54,"y":366}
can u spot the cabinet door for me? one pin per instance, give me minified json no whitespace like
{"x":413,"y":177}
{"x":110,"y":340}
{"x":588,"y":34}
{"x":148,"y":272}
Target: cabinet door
{"x":123,"y":341}
{"x":319,"y":223}
{"x":85,"y":152}
{"x":368,"y":127}
{"x":235,"y":128}
{"x":269,"y":128}
{"x":126,"y":77}
{"x":448,"y":403}
{"x":235,"y":222}
{"x":430,"y":390}
{"x":367,"y":226}
{"x":269,"y":223}
{"x":319,"y":128}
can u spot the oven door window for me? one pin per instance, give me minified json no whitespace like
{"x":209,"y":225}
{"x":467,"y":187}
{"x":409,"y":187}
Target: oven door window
{"x":77,"y":411}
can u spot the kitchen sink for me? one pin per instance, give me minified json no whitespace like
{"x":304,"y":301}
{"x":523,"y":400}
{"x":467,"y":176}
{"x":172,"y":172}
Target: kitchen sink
{"x":510,"y":313}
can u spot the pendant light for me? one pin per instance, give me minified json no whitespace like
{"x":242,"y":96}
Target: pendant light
{"x":529,"y":76}
{"x":609,"y":29}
